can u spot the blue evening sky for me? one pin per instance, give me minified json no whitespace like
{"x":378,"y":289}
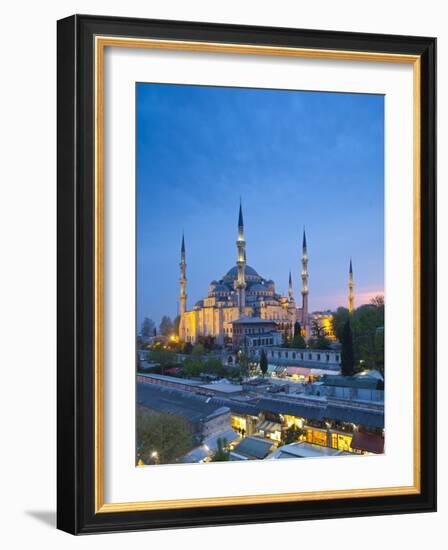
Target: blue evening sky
{"x":296,"y":159}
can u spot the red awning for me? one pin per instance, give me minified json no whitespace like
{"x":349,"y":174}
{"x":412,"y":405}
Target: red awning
{"x":173,"y":370}
{"x":371,"y":443}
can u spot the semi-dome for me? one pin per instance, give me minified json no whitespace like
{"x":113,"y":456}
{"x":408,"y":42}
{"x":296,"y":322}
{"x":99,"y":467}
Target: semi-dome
{"x":220,"y":288}
{"x":250,"y":274}
{"x":257,"y":287}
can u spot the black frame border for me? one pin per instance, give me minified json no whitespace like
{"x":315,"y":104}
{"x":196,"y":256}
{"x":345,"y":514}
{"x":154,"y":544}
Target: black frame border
{"x":76,"y":262}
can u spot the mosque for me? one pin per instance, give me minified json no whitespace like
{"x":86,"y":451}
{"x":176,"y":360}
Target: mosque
{"x":242,"y":296}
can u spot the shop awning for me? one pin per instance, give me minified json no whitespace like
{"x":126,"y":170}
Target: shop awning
{"x":300,"y":371}
{"x":267,"y":426}
{"x":372,"y":443}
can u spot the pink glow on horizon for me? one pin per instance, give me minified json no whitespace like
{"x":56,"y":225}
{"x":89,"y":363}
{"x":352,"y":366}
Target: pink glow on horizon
{"x":333,"y":302}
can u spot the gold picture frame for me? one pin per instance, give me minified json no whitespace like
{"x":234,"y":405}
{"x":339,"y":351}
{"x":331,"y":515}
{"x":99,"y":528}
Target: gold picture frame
{"x":121,"y":38}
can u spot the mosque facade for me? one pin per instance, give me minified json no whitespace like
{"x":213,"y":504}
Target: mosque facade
{"x":242,"y":295}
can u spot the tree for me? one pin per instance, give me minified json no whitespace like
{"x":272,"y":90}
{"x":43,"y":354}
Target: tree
{"x":192,"y":366}
{"x":369,"y":319}
{"x":263,"y":363}
{"x":176,"y":325}
{"x":367,"y":324}
{"x":316,"y":330}
{"x":164,"y":358}
{"x":208,"y":342}
{"x":162,"y":438}
{"x":212,"y":365}
{"x":347,"y":355}
{"x":297,"y":328}
{"x":321,"y":342}
{"x":338,"y":321}
{"x":166,"y":326}
{"x":292,"y":434}
{"x":187,"y":348}
{"x":298,"y":342}
{"x":379,"y":349}
{"x":221,"y":454}
{"x":378,"y":300}
{"x":147,"y":328}
{"x":244,"y":363}
{"x":198,"y":350}
{"x":139,"y":342}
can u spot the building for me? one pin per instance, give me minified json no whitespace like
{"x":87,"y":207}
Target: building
{"x":240,"y":294}
{"x":365,"y":388}
{"x":302,"y":449}
{"x":251,"y":448}
{"x":322,"y":322}
{"x":254,"y":333}
{"x":310,"y":358}
{"x":204,"y":419}
{"x":341,"y":421}
{"x":205,"y":452}
{"x":218,"y":388}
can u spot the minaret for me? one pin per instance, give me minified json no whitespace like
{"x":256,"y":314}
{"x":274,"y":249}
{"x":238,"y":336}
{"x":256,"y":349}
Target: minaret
{"x":290,"y":294}
{"x":241,"y":264}
{"x":304,"y":282}
{"x":183,"y":279}
{"x":351,"y":284}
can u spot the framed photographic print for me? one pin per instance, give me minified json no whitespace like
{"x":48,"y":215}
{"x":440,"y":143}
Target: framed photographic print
{"x":246,"y":274}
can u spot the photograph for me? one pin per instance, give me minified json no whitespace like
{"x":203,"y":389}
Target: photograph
{"x":259,"y":274}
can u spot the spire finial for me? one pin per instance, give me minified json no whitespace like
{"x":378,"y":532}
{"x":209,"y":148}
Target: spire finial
{"x":182,"y":248}
{"x":240,"y":216}
{"x":351,"y":267}
{"x":304,"y":240}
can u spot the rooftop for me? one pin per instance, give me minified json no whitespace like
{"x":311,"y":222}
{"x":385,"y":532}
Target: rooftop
{"x":373,"y":419}
{"x":311,"y":407}
{"x":366,"y":382}
{"x":172,"y":379}
{"x":254,"y":447}
{"x":253,"y":321}
{"x":232,"y":274}
{"x":371,"y":443}
{"x":303,"y":450}
{"x":223,"y":387}
{"x":166,"y":400}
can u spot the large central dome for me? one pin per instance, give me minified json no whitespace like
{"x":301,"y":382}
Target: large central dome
{"x":250,"y":274}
